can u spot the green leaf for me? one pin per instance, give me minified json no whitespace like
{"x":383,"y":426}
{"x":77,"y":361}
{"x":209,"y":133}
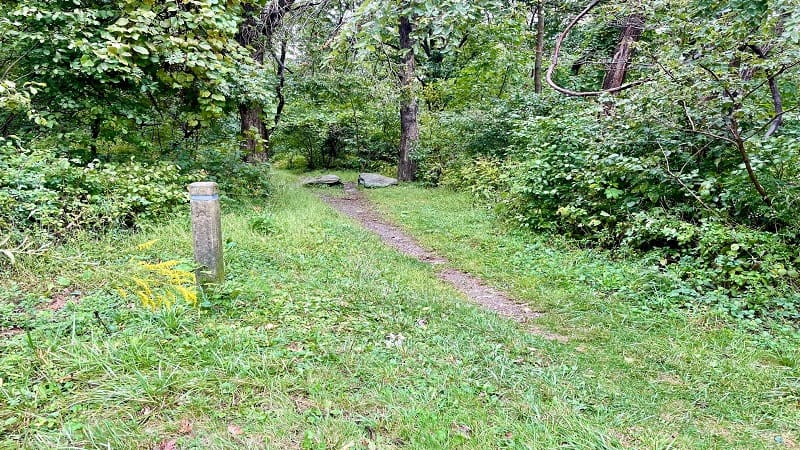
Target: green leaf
{"x":87,"y":61}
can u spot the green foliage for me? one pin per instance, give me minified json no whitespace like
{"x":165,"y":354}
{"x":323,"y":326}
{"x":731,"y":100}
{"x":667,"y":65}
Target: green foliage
{"x":626,"y":182}
{"x":263,"y":223}
{"x":483,"y":178}
{"x":332,"y":124}
{"x":301,"y":328}
{"x":131,"y":51}
{"x":235,"y":177}
{"x":38,"y":189}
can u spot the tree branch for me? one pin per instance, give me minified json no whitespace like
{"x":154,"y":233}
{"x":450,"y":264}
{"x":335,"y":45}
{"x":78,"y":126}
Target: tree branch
{"x":554,"y":63}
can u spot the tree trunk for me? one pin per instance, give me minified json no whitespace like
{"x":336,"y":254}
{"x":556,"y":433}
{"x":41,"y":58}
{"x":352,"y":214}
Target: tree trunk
{"x":252,"y":127}
{"x":631,"y":32}
{"x":409,"y":126}
{"x":777,"y":102}
{"x":537,"y":68}
{"x":95,"y":134}
{"x":280,"y":59}
{"x":256,"y":33}
{"x":6,"y":124}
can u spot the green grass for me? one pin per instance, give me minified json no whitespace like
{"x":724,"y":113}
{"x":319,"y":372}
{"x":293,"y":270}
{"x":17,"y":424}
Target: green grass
{"x":294,"y":350}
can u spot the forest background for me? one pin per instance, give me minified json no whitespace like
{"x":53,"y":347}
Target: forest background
{"x":667,"y":129}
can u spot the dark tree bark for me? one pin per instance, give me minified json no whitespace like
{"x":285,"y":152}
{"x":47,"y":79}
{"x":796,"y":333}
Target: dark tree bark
{"x":554,"y":63}
{"x":251,"y":125}
{"x":774,"y":89}
{"x":256,"y":33}
{"x":777,"y":102}
{"x":409,"y":125}
{"x":253,"y":132}
{"x":740,"y":146}
{"x":537,"y":68}
{"x":95,"y":134}
{"x":631,"y":32}
{"x":6,"y":124}
{"x":280,"y":59}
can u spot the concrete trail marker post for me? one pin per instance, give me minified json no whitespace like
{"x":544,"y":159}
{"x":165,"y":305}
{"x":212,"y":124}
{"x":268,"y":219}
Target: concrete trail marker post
{"x":207,"y":232}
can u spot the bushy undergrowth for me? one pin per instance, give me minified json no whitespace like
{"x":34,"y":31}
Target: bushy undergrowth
{"x":48,"y":196}
{"x":649,"y":189}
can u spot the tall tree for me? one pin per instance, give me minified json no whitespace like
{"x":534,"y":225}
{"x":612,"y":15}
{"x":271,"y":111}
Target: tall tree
{"x":537,"y":68}
{"x":631,"y":30}
{"x":397,"y":28}
{"x":409,"y":123}
{"x":256,"y":33}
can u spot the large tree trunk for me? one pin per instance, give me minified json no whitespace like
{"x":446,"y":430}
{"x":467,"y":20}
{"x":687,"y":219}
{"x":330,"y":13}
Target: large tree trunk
{"x":409,"y":126}
{"x":253,"y":132}
{"x":631,"y":32}
{"x":252,"y":127}
{"x":280,"y":59}
{"x":537,"y":68}
{"x":256,"y":33}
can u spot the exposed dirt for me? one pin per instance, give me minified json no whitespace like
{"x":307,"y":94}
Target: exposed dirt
{"x":59,"y":300}
{"x":11,"y":332}
{"x":359,"y":208}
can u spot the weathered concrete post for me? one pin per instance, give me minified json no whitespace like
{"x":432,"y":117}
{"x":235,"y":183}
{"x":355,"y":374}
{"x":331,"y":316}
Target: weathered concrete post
{"x":207,"y":231}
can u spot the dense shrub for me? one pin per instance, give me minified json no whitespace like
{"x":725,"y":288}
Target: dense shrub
{"x":42,"y":191}
{"x":235,"y":177}
{"x":605,"y":183}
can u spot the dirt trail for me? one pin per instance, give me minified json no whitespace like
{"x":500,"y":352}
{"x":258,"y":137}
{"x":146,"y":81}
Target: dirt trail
{"x":354,"y":205}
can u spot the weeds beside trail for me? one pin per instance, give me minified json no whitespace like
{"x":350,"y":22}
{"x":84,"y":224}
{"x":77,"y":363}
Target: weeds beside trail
{"x":323,"y":337}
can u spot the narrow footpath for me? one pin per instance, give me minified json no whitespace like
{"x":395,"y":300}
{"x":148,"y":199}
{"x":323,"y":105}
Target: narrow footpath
{"x":353,"y":204}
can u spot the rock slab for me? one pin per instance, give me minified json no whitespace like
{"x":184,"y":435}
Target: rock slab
{"x":374,"y":180}
{"x":328,"y":180}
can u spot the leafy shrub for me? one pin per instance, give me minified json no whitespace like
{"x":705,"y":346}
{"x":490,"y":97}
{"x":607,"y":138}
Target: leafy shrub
{"x":746,"y":272}
{"x":290,"y":161}
{"x":263,"y":223}
{"x":620,"y":182}
{"x":484,"y":178}
{"x":235,"y":177}
{"x":38,"y":189}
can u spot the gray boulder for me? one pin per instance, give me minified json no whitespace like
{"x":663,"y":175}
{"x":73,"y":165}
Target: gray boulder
{"x":327,"y":180}
{"x":374,"y":180}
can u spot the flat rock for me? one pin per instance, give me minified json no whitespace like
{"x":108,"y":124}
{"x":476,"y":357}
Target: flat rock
{"x":329,"y":180}
{"x":374,"y":180}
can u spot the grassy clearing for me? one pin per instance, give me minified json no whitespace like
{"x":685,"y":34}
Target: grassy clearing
{"x":324,"y":338}
{"x":688,"y":376}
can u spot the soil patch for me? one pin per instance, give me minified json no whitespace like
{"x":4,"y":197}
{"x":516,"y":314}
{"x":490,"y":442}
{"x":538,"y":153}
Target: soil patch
{"x":354,"y":205}
{"x":11,"y":332}
{"x":59,"y":300}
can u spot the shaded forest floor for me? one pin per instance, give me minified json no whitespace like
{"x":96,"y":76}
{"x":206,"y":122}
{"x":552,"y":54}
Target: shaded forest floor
{"x":324,"y":337}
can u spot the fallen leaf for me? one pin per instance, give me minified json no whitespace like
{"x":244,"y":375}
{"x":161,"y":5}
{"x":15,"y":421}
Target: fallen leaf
{"x":186,"y":427}
{"x":171,"y":444}
{"x":349,"y":445}
{"x":463,"y":430}
{"x":234,"y":430}
{"x":295,"y":347}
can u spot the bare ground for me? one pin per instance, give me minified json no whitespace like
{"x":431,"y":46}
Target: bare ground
{"x":356,"y":206}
